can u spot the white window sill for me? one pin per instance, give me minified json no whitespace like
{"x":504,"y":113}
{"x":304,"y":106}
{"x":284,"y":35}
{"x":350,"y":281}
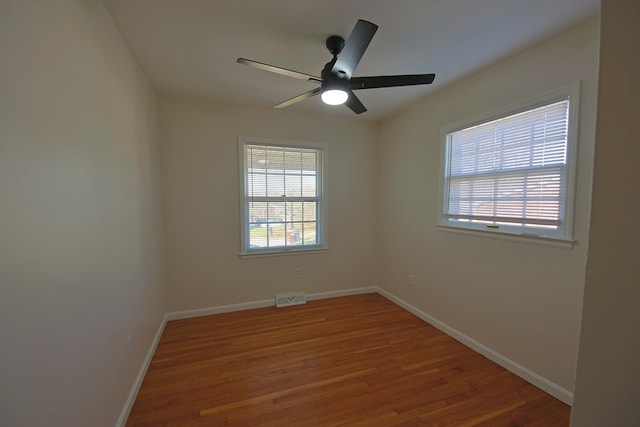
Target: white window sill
{"x":522,"y":238}
{"x":281,"y":252}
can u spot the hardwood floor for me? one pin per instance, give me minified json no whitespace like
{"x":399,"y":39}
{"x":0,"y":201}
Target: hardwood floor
{"x":358,"y":361}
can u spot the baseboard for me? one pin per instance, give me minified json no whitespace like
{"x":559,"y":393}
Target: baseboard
{"x":187,"y":314}
{"x":341,"y":293}
{"x":122,"y":420}
{"x":539,"y":381}
{"x":208,"y":311}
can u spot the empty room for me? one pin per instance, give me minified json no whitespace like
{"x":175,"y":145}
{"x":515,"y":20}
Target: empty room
{"x":296,"y":213}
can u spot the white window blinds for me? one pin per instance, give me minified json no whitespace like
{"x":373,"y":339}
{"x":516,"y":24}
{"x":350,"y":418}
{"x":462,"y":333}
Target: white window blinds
{"x":282,"y":195}
{"x":509,"y":173}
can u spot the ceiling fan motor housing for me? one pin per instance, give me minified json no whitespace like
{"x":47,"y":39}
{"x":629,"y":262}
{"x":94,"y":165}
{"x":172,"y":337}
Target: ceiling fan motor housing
{"x":332,"y":81}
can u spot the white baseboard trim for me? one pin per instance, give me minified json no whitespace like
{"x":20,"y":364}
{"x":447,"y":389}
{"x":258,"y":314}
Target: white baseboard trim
{"x":122,"y":420}
{"x":208,"y":311}
{"x":341,"y":293}
{"x":187,"y":314}
{"x":526,"y":374}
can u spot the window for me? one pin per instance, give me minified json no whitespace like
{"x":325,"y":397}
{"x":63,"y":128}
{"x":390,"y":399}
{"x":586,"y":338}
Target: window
{"x":283,"y":205}
{"x":513,"y":174}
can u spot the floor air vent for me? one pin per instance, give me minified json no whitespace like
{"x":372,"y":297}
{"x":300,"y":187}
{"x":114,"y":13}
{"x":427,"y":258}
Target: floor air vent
{"x":290,"y":299}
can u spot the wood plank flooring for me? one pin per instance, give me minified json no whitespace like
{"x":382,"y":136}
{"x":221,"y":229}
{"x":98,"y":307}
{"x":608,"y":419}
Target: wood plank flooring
{"x":354,"y":361}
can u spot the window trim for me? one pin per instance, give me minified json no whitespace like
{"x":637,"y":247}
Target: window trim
{"x":322,"y":220}
{"x":572,"y":92}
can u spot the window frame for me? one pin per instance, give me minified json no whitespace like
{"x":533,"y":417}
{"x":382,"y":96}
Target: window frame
{"x":563,"y":238}
{"x":321,"y":212}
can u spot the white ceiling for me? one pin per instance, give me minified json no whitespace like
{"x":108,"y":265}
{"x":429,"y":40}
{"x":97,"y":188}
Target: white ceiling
{"x":190,"y":47}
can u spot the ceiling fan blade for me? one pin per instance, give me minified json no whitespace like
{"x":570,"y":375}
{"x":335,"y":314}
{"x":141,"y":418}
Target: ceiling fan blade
{"x":354,"y":103}
{"x":390,"y":81}
{"x":279,"y":70}
{"x":354,"y":48}
{"x":298,"y":98}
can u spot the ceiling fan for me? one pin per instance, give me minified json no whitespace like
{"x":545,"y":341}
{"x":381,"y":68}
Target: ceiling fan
{"x":336,"y":81}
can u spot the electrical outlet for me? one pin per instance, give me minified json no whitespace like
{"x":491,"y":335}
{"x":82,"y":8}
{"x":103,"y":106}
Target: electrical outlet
{"x":130,"y":347}
{"x":412,"y":280}
{"x":298,"y":273}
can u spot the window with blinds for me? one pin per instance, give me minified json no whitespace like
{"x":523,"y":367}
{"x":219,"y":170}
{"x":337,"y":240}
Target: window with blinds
{"x":282,"y":196}
{"x":511,"y":174}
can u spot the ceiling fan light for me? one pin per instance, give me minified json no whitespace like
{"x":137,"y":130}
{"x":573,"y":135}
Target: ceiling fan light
{"x":334,"y":96}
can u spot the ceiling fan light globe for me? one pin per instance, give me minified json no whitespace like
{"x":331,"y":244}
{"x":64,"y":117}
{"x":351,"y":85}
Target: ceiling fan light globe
{"x":334,"y":96}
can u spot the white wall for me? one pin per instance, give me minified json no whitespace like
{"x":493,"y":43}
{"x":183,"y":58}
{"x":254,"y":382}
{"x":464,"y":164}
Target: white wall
{"x":80,"y":248}
{"x":202,"y":204}
{"x":608,"y":377}
{"x":520,"y":300}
